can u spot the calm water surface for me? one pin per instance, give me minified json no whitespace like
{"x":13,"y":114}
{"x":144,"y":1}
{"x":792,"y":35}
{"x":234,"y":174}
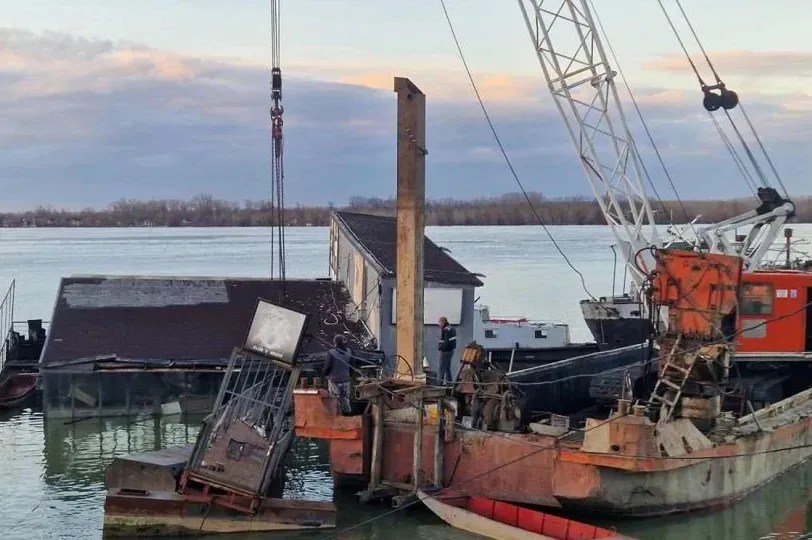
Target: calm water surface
{"x":52,"y":473}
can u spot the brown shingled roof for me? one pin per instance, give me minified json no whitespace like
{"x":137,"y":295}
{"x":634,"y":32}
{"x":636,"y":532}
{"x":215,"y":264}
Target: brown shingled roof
{"x":378,"y":236}
{"x":181,"y":318}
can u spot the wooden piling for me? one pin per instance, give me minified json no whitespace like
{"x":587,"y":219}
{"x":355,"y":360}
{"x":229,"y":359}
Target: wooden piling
{"x":418,"y":447}
{"x":411,"y":218}
{"x":377,"y":444}
{"x":439,"y":444}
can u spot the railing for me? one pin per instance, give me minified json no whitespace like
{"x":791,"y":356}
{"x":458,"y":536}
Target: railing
{"x":6,"y":322}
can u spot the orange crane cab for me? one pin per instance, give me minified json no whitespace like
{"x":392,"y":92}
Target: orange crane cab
{"x":774,"y":319}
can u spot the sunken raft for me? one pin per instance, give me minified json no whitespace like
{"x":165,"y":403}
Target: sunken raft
{"x":121,"y":346}
{"x":363,"y":255}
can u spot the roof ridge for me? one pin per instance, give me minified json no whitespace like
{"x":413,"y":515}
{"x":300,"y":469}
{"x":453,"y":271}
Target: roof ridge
{"x":377,"y":244}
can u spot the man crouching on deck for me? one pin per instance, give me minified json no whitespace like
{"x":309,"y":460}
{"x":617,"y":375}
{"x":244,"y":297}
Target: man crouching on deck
{"x":337,"y":370}
{"x":447,"y":345}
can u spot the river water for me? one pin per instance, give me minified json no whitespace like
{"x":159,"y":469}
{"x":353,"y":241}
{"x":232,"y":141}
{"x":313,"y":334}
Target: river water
{"x":52,"y":473}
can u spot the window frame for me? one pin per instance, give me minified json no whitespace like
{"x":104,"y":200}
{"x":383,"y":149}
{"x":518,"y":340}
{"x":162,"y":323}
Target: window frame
{"x":743,"y":302}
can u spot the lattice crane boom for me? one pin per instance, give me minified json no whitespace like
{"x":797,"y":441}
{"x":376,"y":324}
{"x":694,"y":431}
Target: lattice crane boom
{"x":581,"y":81}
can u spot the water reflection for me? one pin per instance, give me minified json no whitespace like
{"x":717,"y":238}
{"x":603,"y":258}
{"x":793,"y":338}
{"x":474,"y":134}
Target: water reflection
{"x":780,"y":506}
{"x":53,"y":471}
{"x":53,"y":483}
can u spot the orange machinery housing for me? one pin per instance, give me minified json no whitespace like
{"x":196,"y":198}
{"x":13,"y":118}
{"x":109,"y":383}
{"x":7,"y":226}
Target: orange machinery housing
{"x":774,"y":314}
{"x":773,"y":311}
{"x":700,"y":290}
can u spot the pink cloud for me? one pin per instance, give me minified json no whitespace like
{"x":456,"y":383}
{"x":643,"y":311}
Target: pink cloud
{"x":750,"y":63}
{"x":454,"y":85}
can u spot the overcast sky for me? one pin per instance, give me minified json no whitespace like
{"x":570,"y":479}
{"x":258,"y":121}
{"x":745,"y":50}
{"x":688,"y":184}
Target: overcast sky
{"x":105,"y":100}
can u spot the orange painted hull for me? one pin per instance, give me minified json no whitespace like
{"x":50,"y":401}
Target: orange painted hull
{"x":531,"y":469}
{"x":504,"y":521}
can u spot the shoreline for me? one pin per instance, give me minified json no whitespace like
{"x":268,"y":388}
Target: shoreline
{"x":505,"y":210}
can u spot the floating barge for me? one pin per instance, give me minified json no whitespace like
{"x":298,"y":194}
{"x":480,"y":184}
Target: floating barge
{"x":677,"y":451}
{"x":629,"y":466}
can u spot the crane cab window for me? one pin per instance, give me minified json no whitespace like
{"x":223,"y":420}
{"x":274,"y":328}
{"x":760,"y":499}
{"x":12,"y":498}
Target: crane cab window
{"x":756,"y":299}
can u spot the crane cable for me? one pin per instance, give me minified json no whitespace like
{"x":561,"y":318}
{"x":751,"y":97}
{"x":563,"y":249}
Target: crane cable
{"x":277,"y":164}
{"x":509,"y":163}
{"x":737,"y":159}
{"x":667,"y":173}
{"x":731,"y":149}
{"x":726,"y":100}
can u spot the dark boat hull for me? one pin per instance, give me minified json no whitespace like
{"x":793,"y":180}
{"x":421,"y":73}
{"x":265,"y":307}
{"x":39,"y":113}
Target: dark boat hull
{"x":16,"y":389}
{"x":528,"y":358}
{"x":616,"y":321}
{"x":568,"y":386}
{"x":613,"y":333}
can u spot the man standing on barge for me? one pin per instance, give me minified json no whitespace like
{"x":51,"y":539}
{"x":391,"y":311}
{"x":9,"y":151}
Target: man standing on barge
{"x":446,"y":346}
{"x":337,"y":370}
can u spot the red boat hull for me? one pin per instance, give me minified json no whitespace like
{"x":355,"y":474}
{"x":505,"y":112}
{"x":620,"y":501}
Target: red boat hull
{"x":16,"y":389}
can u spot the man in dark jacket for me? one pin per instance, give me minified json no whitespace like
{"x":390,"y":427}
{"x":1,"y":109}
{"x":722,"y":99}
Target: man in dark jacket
{"x":337,"y":370}
{"x":446,"y":346}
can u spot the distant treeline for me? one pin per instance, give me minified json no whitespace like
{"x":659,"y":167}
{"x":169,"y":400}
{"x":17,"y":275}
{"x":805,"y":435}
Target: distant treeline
{"x":511,"y":209}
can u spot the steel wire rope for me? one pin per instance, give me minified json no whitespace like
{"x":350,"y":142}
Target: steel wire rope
{"x":731,"y":149}
{"x":753,"y":160}
{"x":763,"y":149}
{"x":540,"y":448}
{"x":701,"y":80}
{"x":741,"y":107}
{"x":681,"y":43}
{"x":277,"y":148}
{"x":505,"y":156}
{"x":650,"y":361}
{"x":645,"y":127}
{"x":571,"y":432}
{"x":698,"y":42}
{"x":756,"y":166}
{"x":748,"y":178}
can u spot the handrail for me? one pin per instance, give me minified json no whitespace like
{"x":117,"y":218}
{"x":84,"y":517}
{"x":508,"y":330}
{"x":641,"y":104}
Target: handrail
{"x":6,"y":321}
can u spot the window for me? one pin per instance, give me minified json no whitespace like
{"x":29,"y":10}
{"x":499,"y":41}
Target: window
{"x":437,"y":302}
{"x":756,"y":299}
{"x":490,"y":334}
{"x":541,"y":334}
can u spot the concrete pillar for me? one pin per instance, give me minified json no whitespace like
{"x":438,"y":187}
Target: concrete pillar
{"x":411,"y":202}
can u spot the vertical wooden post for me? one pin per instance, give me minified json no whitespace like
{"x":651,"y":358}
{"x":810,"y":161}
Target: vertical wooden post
{"x":128,"y":395}
{"x":377,"y":445}
{"x":100,"y":394}
{"x":411,"y":201}
{"x":72,"y":397}
{"x":439,"y":445}
{"x":417,"y":473}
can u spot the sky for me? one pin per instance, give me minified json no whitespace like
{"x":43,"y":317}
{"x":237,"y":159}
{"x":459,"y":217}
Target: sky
{"x":108,"y":100}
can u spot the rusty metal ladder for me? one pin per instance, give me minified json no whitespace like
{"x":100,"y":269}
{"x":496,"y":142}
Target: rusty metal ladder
{"x":669,"y":385}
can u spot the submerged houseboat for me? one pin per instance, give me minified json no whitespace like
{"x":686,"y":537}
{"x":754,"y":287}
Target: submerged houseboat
{"x":132,"y":345}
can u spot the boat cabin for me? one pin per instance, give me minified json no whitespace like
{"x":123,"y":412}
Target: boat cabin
{"x":775,"y":316}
